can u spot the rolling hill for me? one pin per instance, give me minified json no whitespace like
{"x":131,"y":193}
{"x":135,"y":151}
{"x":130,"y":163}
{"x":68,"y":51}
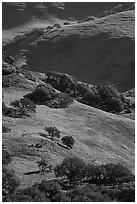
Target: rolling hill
{"x":100,"y":136}
{"x":86,"y":54}
{"x":96,"y":51}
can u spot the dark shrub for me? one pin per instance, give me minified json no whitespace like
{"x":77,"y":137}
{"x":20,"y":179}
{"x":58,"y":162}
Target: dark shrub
{"x":10,"y":80}
{"x":5,"y":109}
{"x":53,"y":131}
{"x":42,"y":94}
{"x":61,"y":197}
{"x":68,"y":141}
{"x":31,"y":194}
{"x":6,"y":157}
{"x":49,"y":27}
{"x":115,"y":105}
{"x":61,"y":101}
{"x":57,"y":25}
{"x":42,"y":164}
{"x":72,"y":167}
{"x":50,"y":188}
{"x":24,"y":107}
{"x":89,"y":193}
{"x":113,"y":90}
{"x":95,"y":174}
{"x":7,"y":69}
{"x":26,"y":104}
{"x":126,"y":195}
{"x":5,"y":128}
{"x":46,"y":95}
{"x":66,"y":23}
{"x":9,"y":182}
{"x":63,"y":82}
{"x":18,"y":197}
{"x":117,"y":173}
{"x":104,"y":93}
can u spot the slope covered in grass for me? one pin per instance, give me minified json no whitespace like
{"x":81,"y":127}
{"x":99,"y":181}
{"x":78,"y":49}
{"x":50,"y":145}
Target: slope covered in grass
{"x":99,"y":136}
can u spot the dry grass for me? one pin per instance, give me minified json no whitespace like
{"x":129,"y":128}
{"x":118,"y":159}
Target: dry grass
{"x":99,"y":135}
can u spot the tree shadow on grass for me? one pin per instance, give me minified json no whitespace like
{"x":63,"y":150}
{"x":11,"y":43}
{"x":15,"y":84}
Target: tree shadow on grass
{"x":62,"y":145}
{"x":32,"y":172}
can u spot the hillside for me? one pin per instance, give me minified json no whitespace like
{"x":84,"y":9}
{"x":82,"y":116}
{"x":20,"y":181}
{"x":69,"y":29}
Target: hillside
{"x":100,"y":136}
{"x":20,"y":17}
{"x":99,"y":51}
{"x":89,"y":127}
{"x":68,"y":102}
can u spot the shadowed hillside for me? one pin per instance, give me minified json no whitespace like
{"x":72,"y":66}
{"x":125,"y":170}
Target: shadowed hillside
{"x":99,"y":51}
{"x":17,"y":14}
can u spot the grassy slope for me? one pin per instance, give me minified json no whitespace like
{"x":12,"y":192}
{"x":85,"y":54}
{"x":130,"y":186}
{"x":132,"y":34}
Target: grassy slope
{"x":98,"y":51}
{"x":102,"y":136}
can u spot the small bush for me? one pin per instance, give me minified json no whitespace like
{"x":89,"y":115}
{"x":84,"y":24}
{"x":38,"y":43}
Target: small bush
{"x":5,"y":109}
{"x":68,"y":141}
{"x":104,"y":93}
{"x":117,"y":173}
{"x":66,"y":23}
{"x":5,"y":128}
{"x":24,"y":107}
{"x":9,"y":182}
{"x":115,"y":105}
{"x":7,"y":69}
{"x":42,"y":164}
{"x":6,"y":157}
{"x":57,"y":25}
{"x":50,"y":188}
{"x":49,"y":27}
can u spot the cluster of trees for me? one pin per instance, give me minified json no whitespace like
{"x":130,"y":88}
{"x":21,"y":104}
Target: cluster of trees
{"x":103,"y":97}
{"x":46,"y":95}
{"x":80,"y":182}
{"x":76,"y":170}
{"x":20,"y":108}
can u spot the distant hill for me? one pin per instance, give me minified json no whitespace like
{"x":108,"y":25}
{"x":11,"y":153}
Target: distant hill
{"x":15,"y":14}
{"x":97,"y":51}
